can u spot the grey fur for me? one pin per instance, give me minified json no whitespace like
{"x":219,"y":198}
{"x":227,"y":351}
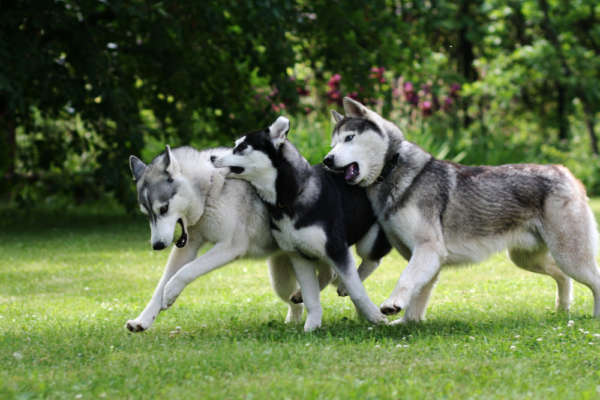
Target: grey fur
{"x":447,"y":214}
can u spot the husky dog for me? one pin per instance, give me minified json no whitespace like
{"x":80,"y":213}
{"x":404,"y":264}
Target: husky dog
{"x":181,"y":186}
{"x":315,"y":216}
{"x":439,"y":213}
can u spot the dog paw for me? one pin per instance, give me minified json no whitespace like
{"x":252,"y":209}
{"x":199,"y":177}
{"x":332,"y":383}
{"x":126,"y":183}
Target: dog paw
{"x":311,"y":325}
{"x":341,"y":291}
{"x":391,"y":307}
{"x":171,"y":291}
{"x":136,"y":325}
{"x":296,"y":297}
{"x":294,"y":314}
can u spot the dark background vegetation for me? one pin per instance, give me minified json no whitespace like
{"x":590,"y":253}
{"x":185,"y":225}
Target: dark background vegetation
{"x":84,"y":84}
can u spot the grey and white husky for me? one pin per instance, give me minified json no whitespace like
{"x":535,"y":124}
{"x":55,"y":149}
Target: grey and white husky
{"x":439,"y":213}
{"x":182,"y":186}
{"x":315,"y":216}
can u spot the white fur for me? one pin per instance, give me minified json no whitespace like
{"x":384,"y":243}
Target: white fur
{"x":257,"y":168}
{"x":278,"y":130}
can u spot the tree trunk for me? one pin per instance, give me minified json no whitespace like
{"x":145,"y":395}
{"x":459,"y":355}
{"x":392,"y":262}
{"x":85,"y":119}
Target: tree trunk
{"x":562,"y":93}
{"x":465,"y":58}
{"x":590,"y":121}
{"x":7,"y":129}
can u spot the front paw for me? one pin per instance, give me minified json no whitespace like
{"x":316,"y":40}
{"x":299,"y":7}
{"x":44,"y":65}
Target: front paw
{"x":392,"y":306}
{"x":312,"y":324}
{"x":136,"y":325}
{"x":172,"y":290}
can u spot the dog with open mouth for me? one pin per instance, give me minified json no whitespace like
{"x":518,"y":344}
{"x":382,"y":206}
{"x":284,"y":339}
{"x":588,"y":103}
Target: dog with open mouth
{"x":439,"y":213}
{"x":182,"y":187}
{"x":315,"y":216}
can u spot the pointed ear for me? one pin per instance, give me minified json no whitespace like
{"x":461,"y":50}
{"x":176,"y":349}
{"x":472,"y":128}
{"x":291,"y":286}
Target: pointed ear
{"x":353,"y":108}
{"x":137,"y":167}
{"x":171,"y":164}
{"x":279,"y":130}
{"x":337,"y":117}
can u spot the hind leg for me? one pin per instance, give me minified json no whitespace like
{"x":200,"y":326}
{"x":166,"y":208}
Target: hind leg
{"x":574,"y":245}
{"x":540,"y":261}
{"x":325,"y":277}
{"x":283,"y":281}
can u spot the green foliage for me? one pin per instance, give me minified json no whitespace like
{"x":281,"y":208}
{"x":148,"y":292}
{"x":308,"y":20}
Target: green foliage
{"x":486,"y":81}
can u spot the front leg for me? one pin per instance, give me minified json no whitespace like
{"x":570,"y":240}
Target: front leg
{"x":178,"y":258}
{"x":307,"y":277}
{"x":219,"y":255}
{"x":365,"y":269}
{"x":343,"y":263}
{"x":422,"y":268}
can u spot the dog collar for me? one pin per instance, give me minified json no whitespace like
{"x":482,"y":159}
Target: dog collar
{"x":388,"y":167}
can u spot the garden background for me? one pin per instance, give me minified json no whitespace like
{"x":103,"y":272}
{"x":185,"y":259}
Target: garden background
{"x":84,"y":84}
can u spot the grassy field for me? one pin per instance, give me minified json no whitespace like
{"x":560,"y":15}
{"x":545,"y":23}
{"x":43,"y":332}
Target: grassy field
{"x":68,"y":285}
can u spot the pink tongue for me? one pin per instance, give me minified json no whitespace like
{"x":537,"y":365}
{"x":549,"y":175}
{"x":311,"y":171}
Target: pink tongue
{"x":351,"y":172}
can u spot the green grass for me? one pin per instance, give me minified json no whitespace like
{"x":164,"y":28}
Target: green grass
{"x":68,"y":285}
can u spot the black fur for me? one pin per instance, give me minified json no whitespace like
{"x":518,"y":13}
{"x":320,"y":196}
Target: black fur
{"x":343,"y":211}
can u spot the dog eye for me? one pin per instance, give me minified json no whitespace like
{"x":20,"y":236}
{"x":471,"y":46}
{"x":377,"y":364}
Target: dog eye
{"x":349,"y":138}
{"x":163,"y":210}
{"x":240,"y":147}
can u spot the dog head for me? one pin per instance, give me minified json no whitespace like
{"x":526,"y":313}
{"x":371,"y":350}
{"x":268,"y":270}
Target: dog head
{"x":254,"y":156}
{"x":164,"y":195}
{"x":360,"y":142}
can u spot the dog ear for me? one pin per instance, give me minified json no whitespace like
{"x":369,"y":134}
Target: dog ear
{"x":171,"y":164}
{"x":337,"y":117}
{"x":137,"y":167}
{"x":353,"y":108}
{"x":279,"y":130}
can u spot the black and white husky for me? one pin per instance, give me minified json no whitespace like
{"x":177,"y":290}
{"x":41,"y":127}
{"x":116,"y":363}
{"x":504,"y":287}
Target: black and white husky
{"x":315,"y":216}
{"x":440,"y":213}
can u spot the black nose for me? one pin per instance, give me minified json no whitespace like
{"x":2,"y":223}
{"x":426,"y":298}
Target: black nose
{"x":328,"y":161}
{"x":212,"y":159}
{"x":158,"y":246}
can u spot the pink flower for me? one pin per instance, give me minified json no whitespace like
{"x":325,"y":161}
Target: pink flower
{"x":408,"y":87}
{"x":377,"y":73}
{"x":426,"y":108}
{"x":334,"y":81}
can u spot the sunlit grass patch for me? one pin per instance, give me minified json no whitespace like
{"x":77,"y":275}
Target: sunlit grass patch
{"x":68,"y":287}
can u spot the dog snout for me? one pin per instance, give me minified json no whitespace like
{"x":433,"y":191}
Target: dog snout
{"x":216,"y":161}
{"x":158,"y":245}
{"x":328,"y":161}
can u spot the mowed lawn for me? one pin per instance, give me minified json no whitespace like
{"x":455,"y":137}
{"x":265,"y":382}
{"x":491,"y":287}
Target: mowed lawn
{"x":69,"y":284}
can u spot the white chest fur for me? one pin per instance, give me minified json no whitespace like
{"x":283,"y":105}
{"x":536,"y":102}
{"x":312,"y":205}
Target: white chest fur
{"x":309,"y":240}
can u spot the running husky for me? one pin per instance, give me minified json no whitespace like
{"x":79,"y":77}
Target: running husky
{"x":440,"y":213}
{"x":315,"y":216}
{"x":181,"y":186}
